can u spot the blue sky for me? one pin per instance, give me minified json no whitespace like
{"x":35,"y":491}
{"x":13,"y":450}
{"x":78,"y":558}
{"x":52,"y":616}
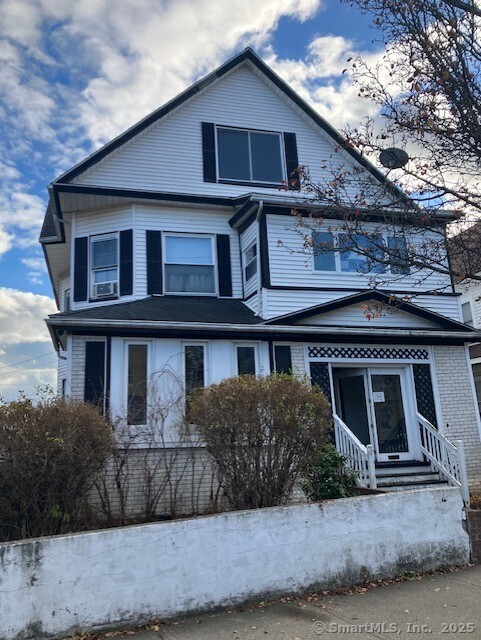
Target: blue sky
{"x":75,"y":74}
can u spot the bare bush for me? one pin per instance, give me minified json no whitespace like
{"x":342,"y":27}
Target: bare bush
{"x":156,"y":470}
{"x":50,"y":452}
{"x":261,"y":432}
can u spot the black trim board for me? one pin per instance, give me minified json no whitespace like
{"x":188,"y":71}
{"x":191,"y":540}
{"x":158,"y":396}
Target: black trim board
{"x":373,"y":294}
{"x":246,"y":55}
{"x":447,"y":294}
{"x":277,"y":337}
{"x":264,"y":252}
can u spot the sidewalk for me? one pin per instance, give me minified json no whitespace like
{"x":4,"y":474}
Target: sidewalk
{"x":440,"y":606}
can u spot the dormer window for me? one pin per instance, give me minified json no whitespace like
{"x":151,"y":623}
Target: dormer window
{"x":250,"y":156}
{"x":104,"y":262}
{"x":250,"y":262}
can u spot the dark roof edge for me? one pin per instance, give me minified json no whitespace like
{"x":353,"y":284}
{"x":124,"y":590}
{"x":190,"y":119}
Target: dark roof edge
{"x":246,"y":54}
{"x":373,"y":294}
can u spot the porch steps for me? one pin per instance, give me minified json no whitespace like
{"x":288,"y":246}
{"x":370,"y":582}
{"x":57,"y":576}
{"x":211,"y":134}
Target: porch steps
{"x":399,"y":477}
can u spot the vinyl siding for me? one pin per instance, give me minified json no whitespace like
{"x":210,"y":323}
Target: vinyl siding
{"x":182,"y":220}
{"x":168,"y":155}
{"x":355,"y":316}
{"x":142,"y":218}
{"x":290,"y":265}
{"x":280,"y":302}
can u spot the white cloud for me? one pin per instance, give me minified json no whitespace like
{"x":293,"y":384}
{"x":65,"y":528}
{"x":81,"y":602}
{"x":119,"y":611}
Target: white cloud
{"x":22,"y":316}
{"x":5,"y":241}
{"x":23,"y":337}
{"x":318,"y":78}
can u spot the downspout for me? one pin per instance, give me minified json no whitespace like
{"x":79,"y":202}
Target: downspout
{"x":259,"y":277}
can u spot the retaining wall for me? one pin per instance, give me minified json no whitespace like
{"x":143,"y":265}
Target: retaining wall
{"x":55,"y":585}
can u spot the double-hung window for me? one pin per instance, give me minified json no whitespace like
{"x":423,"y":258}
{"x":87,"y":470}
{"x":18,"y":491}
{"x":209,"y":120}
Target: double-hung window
{"x":467,"y":312}
{"x":194,"y":367}
{"x":189,"y":264}
{"x":104,"y":260}
{"x":250,"y":156}
{"x":250,"y":262}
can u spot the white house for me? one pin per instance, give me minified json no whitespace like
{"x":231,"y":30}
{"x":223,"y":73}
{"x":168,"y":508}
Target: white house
{"x":167,"y":251}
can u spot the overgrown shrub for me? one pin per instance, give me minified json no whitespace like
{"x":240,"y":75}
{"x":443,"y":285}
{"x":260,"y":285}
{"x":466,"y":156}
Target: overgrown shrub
{"x":327,"y":476}
{"x":261,"y":432}
{"x":50,"y":452}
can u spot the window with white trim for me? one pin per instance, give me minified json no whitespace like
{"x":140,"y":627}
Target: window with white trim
{"x":332,"y":253}
{"x":467,"y":312}
{"x":246,"y":358}
{"x":250,"y":156}
{"x":189,"y":265}
{"x":250,"y":262}
{"x":104,"y":261}
{"x":137,"y":383}
{"x":194,"y":367}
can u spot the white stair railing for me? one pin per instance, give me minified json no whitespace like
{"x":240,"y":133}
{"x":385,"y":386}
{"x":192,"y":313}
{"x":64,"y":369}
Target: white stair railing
{"x":360,"y":458}
{"x":446,"y":457}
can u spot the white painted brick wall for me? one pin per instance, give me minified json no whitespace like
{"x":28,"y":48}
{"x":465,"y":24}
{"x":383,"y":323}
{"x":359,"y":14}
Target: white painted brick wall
{"x":298,"y":358}
{"x":458,"y":405}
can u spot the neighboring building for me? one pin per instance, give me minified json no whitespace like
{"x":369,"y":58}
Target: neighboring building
{"x":465,"y":250}
{"x":167,"y":253}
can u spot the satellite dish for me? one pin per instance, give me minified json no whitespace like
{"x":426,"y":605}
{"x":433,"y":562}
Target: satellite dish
{"x":393,"y":158}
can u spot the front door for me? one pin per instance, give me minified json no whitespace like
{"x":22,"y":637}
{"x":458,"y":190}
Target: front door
{"x":374,"y":404}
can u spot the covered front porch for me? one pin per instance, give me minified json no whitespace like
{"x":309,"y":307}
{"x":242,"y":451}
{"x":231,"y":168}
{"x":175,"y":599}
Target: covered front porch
{"x":387,"y":416}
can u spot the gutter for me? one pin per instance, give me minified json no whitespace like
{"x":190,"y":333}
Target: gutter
{"x":260,"y":329}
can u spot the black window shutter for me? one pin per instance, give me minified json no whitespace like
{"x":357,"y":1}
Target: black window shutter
{"x":423,"y":386}
{"x":208,"y":151}
{"x":224,"y":268}
{"x":153,"y":240}
{"x":292,"y":161}
{"x":320,"y":378}
{"x":282,"y":358}
{"x":94,"y":373}
{"x":80,"y":276}
{"x":126,"y":263}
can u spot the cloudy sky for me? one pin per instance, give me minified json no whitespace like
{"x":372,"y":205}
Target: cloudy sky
{"x":75,"y":73}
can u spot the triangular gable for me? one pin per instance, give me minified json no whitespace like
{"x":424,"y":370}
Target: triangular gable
{"x":248,"y":55}
{"x":373,"y":308}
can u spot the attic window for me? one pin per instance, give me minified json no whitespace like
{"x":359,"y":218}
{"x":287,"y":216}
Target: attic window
{"x":250,"y":156}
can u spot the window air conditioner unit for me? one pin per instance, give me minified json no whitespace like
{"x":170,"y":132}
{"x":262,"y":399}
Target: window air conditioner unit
{"x":105,"y":289}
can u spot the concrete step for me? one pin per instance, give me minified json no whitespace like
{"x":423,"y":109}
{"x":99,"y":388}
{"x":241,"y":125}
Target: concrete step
{"x":418,"y":485}
{"x":408,"y":478}
{"x":402,"y":469}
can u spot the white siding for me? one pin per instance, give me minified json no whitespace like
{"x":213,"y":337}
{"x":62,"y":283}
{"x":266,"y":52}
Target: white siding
{"x":471,"y":292}
{"x":280,"y":302}
{"x":160,"y":218}
{"x":247,"y":238}
{"x":355,"y":316}
{"x":168,"y":155}
{"x":290,"y":265}
{"x":182,"y":220}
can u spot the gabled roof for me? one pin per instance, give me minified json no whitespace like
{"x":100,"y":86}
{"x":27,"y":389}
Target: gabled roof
{"x":246,"y":55}
{"x":390,"y":301}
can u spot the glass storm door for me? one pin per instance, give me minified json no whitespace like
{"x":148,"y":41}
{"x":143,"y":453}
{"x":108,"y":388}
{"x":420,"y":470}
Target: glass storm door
{"x":351,"y":390}
{"x":390,"y":414}
{"x":374,"y":404}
